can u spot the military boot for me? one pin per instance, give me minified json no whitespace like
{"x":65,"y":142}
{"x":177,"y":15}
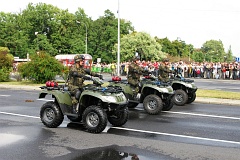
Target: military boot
{"x":75,"y":105}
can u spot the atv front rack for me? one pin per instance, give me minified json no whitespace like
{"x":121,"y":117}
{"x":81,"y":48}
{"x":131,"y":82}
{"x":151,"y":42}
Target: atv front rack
{"x":109,"y":89}
{"x":183,"y":80}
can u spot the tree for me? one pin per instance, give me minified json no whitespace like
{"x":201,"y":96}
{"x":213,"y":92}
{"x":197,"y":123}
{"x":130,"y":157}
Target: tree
{"x":213,"y":49}
{"x":167,"y":46}
{"x":229,"y":57}
{"x":104,"y":35}
{"x":140,"y":42}
{"x":41,"y":68}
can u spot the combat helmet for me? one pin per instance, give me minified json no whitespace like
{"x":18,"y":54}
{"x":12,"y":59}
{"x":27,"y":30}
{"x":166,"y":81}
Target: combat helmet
{"x":165,"y":60}
{"x":137,"y":58}
{"x":78,"y":58}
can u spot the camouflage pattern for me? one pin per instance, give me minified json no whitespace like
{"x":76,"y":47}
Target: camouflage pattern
{"x":163,"y":73}
{"x":134,"y":74}
{"x":75,"y":83}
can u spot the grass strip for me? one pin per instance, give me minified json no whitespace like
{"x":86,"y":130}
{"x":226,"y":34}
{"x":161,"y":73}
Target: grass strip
{"x":218,"y":94}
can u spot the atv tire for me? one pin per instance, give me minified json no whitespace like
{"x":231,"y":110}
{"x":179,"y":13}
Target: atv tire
{"x":180,"y":97}
{"x":94,"y":119}
{"x":191,"y":97}
{"x":51,"y":115}
{"x":119,"y":118}
{"x":168,"y":105}
{"x":153,"y":104}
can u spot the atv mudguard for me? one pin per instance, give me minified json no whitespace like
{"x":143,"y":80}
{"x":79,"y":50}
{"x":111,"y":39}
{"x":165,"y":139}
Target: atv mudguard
{"x":61,"y":97}
{"x":186,"y":86}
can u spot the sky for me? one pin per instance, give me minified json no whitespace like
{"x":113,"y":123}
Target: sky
{"x":192,"y":21}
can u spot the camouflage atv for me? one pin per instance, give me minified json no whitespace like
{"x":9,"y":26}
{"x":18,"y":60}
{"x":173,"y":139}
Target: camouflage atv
{"x":154,"y":95}
{"x":185,"y":90}
{"x":97,"y":105}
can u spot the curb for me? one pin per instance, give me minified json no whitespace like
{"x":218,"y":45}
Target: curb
{"x":230,"y":102}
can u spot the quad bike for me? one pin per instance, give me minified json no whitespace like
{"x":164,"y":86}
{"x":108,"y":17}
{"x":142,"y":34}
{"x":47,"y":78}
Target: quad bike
{"x":97,"y":106}
{"x":185,"y":90}
{"x":154,"y":95}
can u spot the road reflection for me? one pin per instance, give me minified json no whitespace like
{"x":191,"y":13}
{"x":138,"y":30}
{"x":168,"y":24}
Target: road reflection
{"x":7,"y":139}
{"x":116,"y":153}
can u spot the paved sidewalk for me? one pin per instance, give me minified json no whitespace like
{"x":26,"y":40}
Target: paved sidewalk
{"x":198,"y":99}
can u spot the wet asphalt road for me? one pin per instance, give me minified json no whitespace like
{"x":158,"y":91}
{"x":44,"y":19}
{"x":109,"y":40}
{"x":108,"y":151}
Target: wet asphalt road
{"x":194,"y":131}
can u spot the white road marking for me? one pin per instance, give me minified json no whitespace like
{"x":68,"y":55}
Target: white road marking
{"x":20,"y":115}
{"x":203,"y":115}
{"x":177,"y":135}
{"x":4,"y":95}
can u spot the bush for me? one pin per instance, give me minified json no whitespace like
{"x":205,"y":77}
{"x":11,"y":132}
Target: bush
{"x":6,"y":61}
{"x":41,"y":68}
{"x":4,"y":74}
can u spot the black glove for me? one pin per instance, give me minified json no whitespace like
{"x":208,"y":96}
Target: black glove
{"x":101,"y":77}
{"x":87,"y":71}
{"x":86,"y":78}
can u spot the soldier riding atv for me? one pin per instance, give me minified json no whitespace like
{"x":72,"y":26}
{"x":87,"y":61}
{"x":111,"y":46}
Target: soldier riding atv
{"x":155,"y":96}
{"x":185,"y":90}
{"x":92,"y":104}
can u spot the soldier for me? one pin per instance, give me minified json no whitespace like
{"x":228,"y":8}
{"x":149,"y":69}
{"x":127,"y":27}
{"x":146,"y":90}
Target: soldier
{"x":163,"y":72}
{"x":77,"y":75}
{"x":134,"y":74}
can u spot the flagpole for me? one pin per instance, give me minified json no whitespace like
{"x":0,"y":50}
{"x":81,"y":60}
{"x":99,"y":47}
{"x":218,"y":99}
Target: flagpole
{"x":118,"y":54}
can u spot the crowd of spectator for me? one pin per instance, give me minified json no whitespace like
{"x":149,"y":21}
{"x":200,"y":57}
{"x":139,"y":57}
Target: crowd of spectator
{"x":206,"y":70}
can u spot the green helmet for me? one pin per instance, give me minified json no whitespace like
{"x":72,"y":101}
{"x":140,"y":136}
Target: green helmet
{"x":165,"y":60}
{"x":136,"y":58}
{"x":78,"y":58}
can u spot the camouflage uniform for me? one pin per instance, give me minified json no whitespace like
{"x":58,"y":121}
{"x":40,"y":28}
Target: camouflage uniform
{"x":163,"y":73}
{"x":134,"y":74}
{"x":77,"y":75}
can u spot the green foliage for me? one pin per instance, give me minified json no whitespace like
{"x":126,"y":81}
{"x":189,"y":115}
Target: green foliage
{"x":213,"y":50}
{"x":104,"y":36}
{"x":6,"y":61}
{"x":43,"y":27}
{"x":4,"y":74}
{"x":41,"y":68}
{"x":198,"y":56}
{"x":140,"y":42}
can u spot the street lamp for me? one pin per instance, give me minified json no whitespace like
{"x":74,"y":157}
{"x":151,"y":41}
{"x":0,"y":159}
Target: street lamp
{"x":85,"y":35}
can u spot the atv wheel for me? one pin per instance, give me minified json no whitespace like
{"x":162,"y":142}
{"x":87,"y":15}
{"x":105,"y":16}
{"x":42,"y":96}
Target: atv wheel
{"x":191,"y":97}
{"x":132,"y":105}
{"x":74,"y":119}
{"x":51,"y":115}
{"x":94,"y":119}
{"x":152,"y":104}
{"x":180,"y":97}
{"x":119,"y":118}
{"x":167,"y":106}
